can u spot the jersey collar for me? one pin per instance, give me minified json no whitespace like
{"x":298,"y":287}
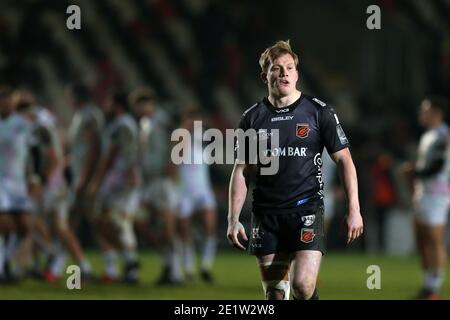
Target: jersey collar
{"x":283,"y":110}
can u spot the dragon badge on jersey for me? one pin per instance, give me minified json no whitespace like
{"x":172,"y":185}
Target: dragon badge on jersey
{"x":302,"y":130}
{"x":307,"y":235}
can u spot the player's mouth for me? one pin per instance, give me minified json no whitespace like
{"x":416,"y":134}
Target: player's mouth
{"x":284,"y":83}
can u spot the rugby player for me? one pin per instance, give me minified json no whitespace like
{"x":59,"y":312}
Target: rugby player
{"x":115,"y":188}
{"x":432,"y":195}
{"x":84,"y":143}
{"x":15,"y":204}
{"x":52,"y":204}
{"x":159,"y":197}
{"x":197,"y":200}
{"x":287,"y":235}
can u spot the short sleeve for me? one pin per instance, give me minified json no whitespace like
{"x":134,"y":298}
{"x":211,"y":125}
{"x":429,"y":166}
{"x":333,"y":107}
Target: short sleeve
{"x":331,"y":131}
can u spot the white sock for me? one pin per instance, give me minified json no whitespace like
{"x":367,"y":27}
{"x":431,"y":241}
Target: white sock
{"x":110,"y":258}
{"x":433,"y":280}
{"x":2,"y":256}
{"x":58,"y":257}
{"x":59,"y":263}
{"x":85,"y":266}
{"x":209,"y":253}
{"x":188,"y":258}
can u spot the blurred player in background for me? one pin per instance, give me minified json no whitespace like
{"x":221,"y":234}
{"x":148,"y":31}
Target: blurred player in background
{"x":432,"y":195}
{"x":115,"y":187}
{"x":52,"y":202}
{"x":15,"y":205}
{"x":287,"y":235}
{"x":159,"y":191}
{"x":197,"y":199}
{"x":84,"y":144}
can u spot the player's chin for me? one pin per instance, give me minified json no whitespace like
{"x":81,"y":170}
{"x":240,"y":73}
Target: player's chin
{"x":284,"y":91}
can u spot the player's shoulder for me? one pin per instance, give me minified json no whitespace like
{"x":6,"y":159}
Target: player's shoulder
{"x":319,"y":103}
{"x":254,"y":108}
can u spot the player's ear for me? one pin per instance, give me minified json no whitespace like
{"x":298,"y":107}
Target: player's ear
{"x":263,"y":76}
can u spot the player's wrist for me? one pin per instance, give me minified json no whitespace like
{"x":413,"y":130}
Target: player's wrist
{"x":354,"y":211}
{"x":233,"y":220}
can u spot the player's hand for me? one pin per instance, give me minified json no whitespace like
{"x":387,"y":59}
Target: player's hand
{"x":355,"y":227}
{"x":234,"y":230}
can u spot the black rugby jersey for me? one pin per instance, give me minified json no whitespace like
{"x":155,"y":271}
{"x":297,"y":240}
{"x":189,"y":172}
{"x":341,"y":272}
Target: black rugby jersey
{"x":305,"y":128}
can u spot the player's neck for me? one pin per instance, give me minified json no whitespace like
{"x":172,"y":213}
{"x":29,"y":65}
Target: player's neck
{"x":281,"y":102}
{"x":435,"y":124}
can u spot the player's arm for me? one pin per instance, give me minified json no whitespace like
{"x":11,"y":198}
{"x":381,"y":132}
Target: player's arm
{"x":336,"y":142}
{"x":347,"y":171}
{"x":50,"y":153}
{"x":105,"y":165}
{"x":171,"y":169}
{"x":237,"y":195}
{"x":32,"y":171}
{"x":118,"y":141}
{"x":90,"y":162}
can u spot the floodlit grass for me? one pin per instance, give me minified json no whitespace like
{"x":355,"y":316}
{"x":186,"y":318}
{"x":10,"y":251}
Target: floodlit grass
{"x":342,"y":276}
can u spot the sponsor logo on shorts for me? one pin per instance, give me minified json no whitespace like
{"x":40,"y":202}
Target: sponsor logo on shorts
{"x":307,"y":235}
{"x":256,"y":234}
{"x":308,"y":220}
{"x":302,"y":130}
